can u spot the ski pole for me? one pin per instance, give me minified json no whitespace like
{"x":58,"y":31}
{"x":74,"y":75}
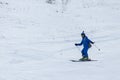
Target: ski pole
{"x":97,"y":47}
{"x":78,"y":48}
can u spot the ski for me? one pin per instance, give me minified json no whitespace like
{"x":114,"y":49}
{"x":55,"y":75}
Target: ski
{"x":82,"y":60}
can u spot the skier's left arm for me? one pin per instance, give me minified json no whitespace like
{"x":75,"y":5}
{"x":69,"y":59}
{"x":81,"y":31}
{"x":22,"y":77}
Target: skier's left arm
{"x":91,"y":41}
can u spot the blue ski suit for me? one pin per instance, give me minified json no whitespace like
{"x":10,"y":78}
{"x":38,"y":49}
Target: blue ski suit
{"x":86,"y":45}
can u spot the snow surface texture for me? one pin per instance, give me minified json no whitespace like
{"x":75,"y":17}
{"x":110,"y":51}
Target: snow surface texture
{"x":37,"y":39}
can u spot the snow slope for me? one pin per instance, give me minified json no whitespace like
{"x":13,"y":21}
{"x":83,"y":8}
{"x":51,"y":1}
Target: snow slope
{"x":37,"y":39}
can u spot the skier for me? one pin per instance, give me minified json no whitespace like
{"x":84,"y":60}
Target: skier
{"x":86,"y":45}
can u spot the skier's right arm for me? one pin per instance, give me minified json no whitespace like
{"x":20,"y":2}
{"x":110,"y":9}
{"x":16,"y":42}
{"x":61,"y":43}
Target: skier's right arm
{"x":79,"y":44}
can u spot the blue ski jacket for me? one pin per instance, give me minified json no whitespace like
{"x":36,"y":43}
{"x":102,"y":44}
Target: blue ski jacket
{"x":86,"y":42}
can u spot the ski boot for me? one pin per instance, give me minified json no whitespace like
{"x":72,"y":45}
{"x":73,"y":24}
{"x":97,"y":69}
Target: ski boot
{"x":85,"y":59}
{"x":81,"y":59}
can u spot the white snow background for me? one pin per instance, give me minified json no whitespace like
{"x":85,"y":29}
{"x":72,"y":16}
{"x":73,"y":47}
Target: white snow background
{"x":37,"y":39}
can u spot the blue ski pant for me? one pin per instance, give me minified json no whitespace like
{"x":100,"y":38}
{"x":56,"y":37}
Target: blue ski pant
{"x":85,"y":52}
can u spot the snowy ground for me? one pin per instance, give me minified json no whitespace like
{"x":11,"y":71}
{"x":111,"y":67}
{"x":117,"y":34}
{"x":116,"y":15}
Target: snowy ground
{"x":37,"y":39}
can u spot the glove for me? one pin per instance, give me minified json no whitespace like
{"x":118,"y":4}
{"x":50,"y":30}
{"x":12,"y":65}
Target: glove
{"x":93,"y":42}
{"x":76,"y":44}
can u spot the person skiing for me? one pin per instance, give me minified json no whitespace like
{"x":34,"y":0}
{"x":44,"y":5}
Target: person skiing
{"x":86,"y":45}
